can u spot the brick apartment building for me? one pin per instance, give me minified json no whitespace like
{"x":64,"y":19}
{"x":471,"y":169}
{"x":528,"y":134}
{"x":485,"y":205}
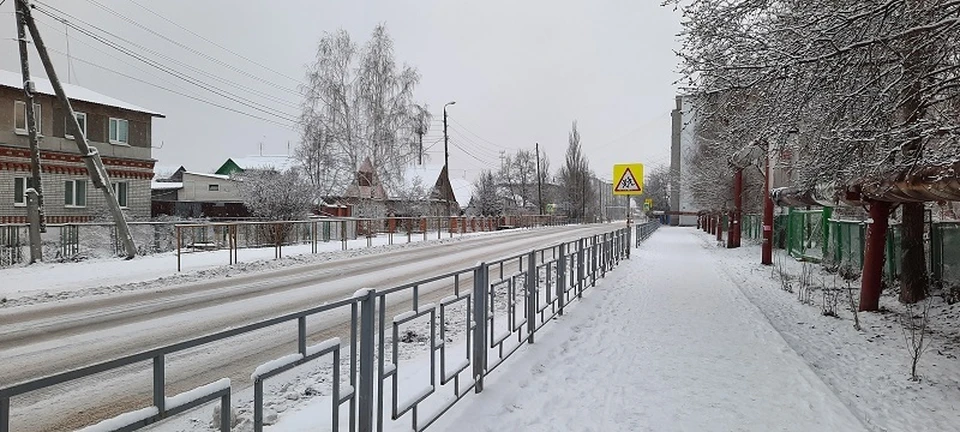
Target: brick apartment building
{"x":120,"y":131}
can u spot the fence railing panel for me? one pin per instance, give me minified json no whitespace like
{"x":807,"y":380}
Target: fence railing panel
{"x":468,"y":321}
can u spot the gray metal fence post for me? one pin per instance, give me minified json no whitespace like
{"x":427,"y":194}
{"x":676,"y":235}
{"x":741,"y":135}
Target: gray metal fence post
{"x":580,"y":245}
{"x":4,"y":415}
{"x":626,"y":243}
{"x":561,"y":276}
{"x":480,"y":285}
{"x":605,"y":261}
{"x":533,"y":277}
{"x":158,"y":382}
{"x":367,"y":362}
{"x":594,"y":256}
{"x":225,"y":413}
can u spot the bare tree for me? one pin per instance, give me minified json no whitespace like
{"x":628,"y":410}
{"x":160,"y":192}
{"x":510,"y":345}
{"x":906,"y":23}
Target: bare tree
{"x":412,"y":199}
{"x":518,"y":176}
{"x":576,"y":180}
{"x":914,"y":326}
{"x":275,"y":195}
{"x":871,"y":86}
{"x":655,"y":183}
{"x":358,"y":104}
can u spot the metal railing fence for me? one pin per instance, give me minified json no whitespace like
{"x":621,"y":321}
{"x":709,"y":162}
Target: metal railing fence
{"x":505,"y":302}
{"x":78,"y":241}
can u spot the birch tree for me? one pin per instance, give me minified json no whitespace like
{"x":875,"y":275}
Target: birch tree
{"x":358,"y":103}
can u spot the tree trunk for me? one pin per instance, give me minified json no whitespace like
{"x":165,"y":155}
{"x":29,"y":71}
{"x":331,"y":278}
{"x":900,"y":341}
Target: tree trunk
{"x":913,"y":268}
{"x":872,"y":278}
{"x":913,"y":260}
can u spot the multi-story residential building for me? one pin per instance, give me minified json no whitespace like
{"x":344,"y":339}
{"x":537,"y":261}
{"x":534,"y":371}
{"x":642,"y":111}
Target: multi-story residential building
{"x":684,"y":145}
{"x":120,"y":131}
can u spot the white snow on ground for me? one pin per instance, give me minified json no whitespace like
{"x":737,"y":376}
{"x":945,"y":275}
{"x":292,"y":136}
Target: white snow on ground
{"x":869,"y":370}
{"x":46,"y":282}
{"x":665,"y":343}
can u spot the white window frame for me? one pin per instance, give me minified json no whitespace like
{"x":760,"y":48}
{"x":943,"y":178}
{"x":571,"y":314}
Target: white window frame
{"x":126,"y":193}
{"x":73,"y":193}
{"x":213,"y":187}
{"x":83,"y":129}
{"x":117,"y":140}
{"x":21,"y":107}
{"x":26,"y":185}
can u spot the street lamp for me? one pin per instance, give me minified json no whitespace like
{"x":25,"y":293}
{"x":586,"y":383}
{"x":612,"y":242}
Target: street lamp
{"x":446,"y":149}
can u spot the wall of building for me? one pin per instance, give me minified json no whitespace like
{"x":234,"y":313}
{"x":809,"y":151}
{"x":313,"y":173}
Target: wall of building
{"x":60,"y":159}
{"x":683,"y":147}
{"x":197,"y":188}
{"x":53,"y":127}
{"x":138,"y":198}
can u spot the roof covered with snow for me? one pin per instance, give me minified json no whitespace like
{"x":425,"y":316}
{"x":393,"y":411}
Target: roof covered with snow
{"x":257,"y":162}
{"x":427,"y":174}
{"x":165,"y":185}
{"x":208,"y":175}
{"x":462,"y":191}
{"x":74,"y":92}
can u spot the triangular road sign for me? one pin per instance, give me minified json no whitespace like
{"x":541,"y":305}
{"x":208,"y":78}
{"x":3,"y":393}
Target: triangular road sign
{"x":627,"y":183}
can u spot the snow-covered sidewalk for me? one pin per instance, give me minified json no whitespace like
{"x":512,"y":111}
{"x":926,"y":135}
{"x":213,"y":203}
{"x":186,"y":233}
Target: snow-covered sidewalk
{"x":665,"y":343}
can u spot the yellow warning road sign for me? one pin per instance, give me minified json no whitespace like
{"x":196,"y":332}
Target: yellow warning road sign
{"x":628,"y":179}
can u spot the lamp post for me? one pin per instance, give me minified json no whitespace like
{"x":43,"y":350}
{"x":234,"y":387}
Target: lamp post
{"x":446,"y":150}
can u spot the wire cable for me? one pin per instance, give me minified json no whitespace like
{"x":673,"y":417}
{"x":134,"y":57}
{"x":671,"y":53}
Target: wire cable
{"x":180,"y":75}
{"x":298,"y":81}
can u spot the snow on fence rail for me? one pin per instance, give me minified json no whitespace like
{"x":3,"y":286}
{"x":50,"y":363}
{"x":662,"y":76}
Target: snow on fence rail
{"x":462,"y":304}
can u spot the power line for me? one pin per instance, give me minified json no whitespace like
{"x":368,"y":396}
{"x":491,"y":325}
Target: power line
{"x":479,"y":137}
{"x":189,"y":48}
{"x":476,"y":144}
{"x":176,"y":92}
{"x":214,"y":43}
{"x":195,"y":51}
{"x":103,"y":39}
{"x":468,"y":153}
{"x":208,"y":87}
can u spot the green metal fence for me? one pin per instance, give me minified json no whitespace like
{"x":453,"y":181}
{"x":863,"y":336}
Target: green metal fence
{"x":813,"y":235}
{"x":808,"y":233}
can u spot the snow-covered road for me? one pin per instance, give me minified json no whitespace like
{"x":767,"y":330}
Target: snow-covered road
{"x":43,"y":339}
{"x":665,"y":343}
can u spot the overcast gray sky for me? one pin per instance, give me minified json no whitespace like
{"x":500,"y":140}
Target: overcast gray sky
{"x":520,"y":71}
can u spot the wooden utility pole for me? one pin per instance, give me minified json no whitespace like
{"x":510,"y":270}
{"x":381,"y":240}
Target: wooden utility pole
{"x":32,"y":128}
{"x":95,"y":168}
{"x":539,"y":183}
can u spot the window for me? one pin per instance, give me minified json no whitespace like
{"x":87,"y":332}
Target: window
{"x":75,"y":193}
{"x":118,"y":131}
{"x":82,"y":119}
{"x":20,"y":186}
{"x":213,"y":188}
{"x":20,"y":117}
{"x":121,"y":188}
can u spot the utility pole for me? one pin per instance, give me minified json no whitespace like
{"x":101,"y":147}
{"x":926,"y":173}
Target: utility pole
{"x":420,"y":153}
{"x":31,"y":119}
{"x":539,"y":183}
{"x":98,"y":174}
{"x":446,"y":149}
